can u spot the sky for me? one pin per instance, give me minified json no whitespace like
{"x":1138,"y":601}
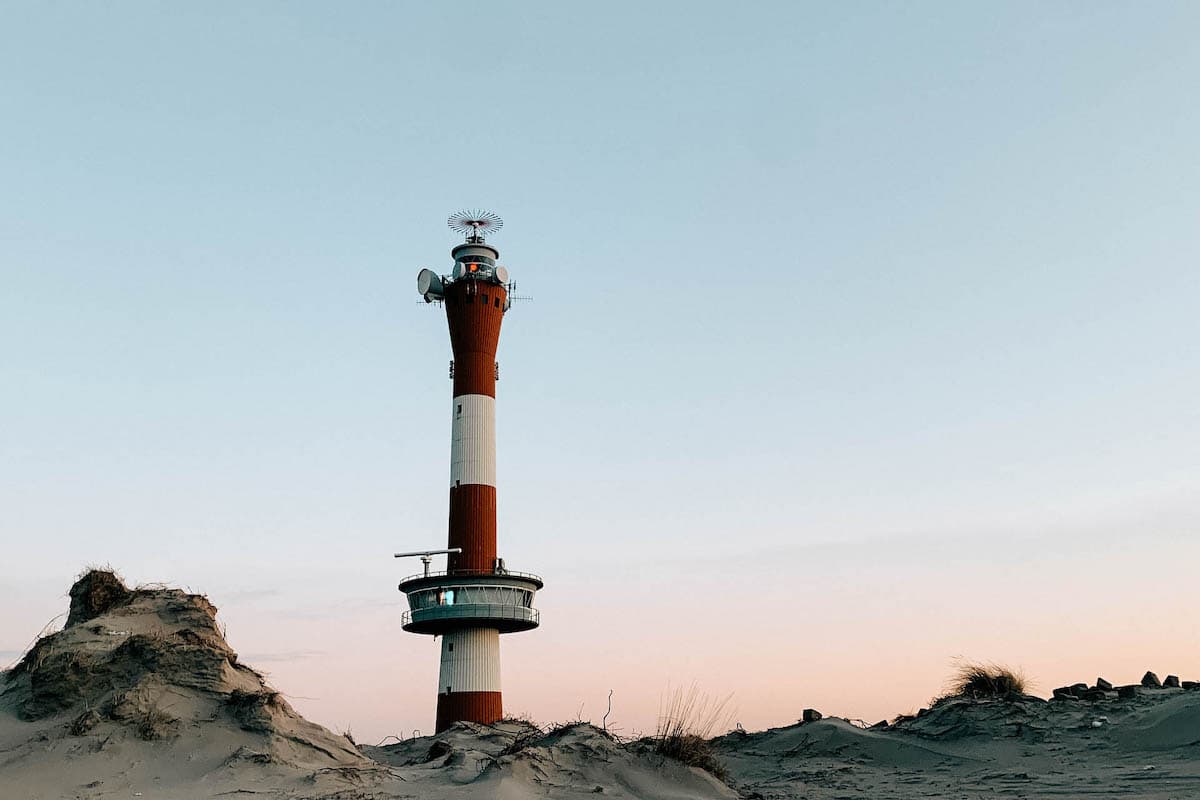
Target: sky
{"x":863,"y":337}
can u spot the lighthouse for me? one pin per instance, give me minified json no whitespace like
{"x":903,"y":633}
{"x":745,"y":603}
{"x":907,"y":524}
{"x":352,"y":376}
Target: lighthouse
{"x":476,"y":598}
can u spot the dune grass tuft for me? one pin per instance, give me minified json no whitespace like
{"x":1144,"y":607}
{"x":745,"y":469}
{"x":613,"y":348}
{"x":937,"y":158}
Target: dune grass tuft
{"x":686,"y":721}
{"x":982,"y":681}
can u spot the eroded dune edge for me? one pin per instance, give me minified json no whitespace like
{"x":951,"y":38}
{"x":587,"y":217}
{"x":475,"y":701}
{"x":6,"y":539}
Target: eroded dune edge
{"x":141,"y":696}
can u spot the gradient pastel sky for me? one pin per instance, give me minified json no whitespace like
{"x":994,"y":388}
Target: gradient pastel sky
{"x":865,"y":336}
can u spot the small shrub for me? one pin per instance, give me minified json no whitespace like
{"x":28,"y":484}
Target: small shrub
{"x":522,"y":740}
{"x":519,"y":718}
{"x":84,"y":723}
{"x":980,"y":681}
{"x":693,"y":751}
{"x":252,"y":710}
{"x":137,"y":709}
{"x":154,"y":723}
{"x":555,"y":728}
{"x":686,"y":721}
{"x":96,"y":592}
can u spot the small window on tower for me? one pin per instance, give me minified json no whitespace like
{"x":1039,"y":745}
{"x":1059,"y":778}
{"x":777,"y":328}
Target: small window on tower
{"x":460,"y":408}
{"x":450,"y":647}
{"x":496,"y":302}
{"x":483,"y":299}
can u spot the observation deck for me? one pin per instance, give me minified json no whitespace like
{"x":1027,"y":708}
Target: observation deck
{"x":444,"y":601}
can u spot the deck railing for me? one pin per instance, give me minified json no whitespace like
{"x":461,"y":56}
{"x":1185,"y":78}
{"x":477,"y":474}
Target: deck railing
{"x":472,"y":611}
{"x":474,"y":573}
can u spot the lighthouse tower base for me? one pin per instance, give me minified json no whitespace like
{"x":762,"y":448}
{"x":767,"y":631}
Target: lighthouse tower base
{"x":469,"y":678}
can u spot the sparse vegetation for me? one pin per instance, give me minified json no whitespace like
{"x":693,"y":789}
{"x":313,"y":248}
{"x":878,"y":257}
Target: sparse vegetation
{"x":98,"y":590}
{"x":686,"y":721}
{"x":518,"y":718}
{"x":252,"y":710}
{"x":138,"y":709}
{"x":983,"y":681}
{"x":84,"y":723}
{"x":527,"y":737}
{"x":155,"y":723}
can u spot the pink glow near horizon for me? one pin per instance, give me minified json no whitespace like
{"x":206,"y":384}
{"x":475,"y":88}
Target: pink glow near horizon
{"x":847,"y":636}
{"x":861,"y":630}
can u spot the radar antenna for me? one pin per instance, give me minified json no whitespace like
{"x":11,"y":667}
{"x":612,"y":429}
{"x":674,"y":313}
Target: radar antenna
{"x":475,"y":223}
{"x":427,"y":555}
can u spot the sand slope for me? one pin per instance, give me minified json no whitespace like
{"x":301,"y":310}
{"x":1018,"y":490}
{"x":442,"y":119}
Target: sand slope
{"x":140,"y":696}
{"x":140,"y":693}
{"x":1147,"y":746}
{"x":516,"y":760}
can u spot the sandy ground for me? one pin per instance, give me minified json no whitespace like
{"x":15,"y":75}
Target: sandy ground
{"x":140,"y":697}
{"x":1142,"y":747}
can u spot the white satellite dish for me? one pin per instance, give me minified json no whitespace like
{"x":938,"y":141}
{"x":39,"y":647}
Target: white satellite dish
{"x":428,"y":283}
{"x":502,"y":274}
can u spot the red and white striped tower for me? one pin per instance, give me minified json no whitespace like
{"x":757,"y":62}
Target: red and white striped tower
{"x":476,"y":598}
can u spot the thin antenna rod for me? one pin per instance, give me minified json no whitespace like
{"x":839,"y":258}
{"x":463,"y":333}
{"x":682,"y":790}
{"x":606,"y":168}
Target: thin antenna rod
{"x":427,"y":555}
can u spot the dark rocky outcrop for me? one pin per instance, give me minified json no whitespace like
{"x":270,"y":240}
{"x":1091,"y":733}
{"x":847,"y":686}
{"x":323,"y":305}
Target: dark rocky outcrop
{"x":97,"y":592}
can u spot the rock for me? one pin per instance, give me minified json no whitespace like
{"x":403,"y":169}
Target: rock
{"x":1079,"y":689}
{"x":883,"y":723}
{"x":1189,"y":685}
{"x":1103,"y":684}
{"x":1099,"y":694}
{"x":1151,"y":681}
{"x":1064,"y":693}
{"x":811,"y":715}
{"x":1127,"y":692}
{"x":1171,"y":682}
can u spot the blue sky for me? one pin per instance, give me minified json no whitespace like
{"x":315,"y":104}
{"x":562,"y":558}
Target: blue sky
{"x":818,"y":289}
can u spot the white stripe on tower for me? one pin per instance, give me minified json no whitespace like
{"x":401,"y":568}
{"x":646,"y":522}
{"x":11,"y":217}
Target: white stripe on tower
{"x":470,"y":661}
{"x":473,"y":440}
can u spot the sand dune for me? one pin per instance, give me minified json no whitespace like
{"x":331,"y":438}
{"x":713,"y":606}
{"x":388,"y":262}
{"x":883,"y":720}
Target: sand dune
{"x":1146,"y":746}
{"x":140,"y":696}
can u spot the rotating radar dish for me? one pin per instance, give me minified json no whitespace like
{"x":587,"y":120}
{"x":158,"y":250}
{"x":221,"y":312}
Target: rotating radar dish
{"x":475,"y":223}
